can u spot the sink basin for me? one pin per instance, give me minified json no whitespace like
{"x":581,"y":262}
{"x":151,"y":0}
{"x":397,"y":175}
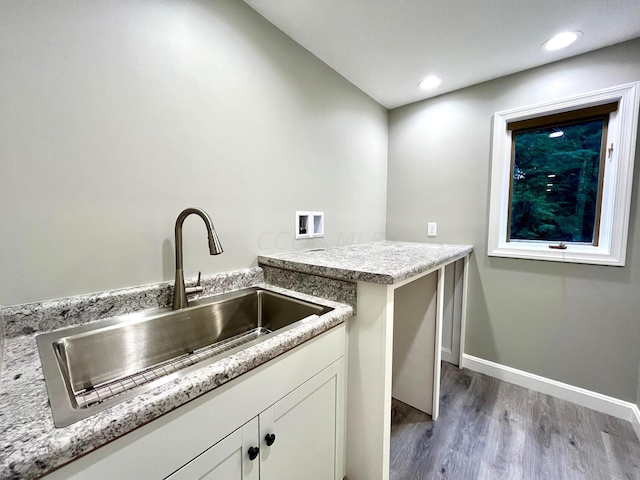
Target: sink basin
{"x":92,"y":367}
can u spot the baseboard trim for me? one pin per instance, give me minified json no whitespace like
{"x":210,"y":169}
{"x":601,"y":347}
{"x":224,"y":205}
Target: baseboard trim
{"x":636,"y":420}
{"x":580,"y":396}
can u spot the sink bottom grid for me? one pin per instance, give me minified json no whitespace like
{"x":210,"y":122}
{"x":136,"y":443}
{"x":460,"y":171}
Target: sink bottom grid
{"x":99,"y":393}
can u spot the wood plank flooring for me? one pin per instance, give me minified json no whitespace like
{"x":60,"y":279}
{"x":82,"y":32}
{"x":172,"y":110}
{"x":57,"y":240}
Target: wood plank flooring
{"x":493,"y":430}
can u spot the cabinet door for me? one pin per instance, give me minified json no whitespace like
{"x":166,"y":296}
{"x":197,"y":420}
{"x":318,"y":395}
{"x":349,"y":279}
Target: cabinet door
{"x":308,"y":428}
{"x":228,"y":459}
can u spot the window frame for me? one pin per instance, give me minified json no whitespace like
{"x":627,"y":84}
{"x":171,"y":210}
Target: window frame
{"x":617,"y":182}
{"x":566,"y":120}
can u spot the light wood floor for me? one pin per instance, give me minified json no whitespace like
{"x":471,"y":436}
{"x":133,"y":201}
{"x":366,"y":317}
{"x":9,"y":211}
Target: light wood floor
{"x":489,"y":430}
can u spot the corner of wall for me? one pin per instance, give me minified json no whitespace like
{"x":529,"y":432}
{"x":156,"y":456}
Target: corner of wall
{"x":636,"y":413}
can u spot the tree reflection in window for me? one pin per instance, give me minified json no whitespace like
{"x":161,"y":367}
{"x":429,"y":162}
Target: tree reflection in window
{"x":556,"y":182}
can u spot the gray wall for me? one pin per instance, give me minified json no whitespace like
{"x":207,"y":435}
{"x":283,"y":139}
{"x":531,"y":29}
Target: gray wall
{"x":117,"y":115}
{"x":578,"y":324}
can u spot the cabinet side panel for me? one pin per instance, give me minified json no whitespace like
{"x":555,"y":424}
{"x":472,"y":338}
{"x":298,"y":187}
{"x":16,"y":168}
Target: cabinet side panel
{"x":370,"y":335}
{"x":413,"y":340}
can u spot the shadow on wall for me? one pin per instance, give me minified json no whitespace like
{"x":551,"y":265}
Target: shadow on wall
{"x":168,"y":260}
{"x":249,"y":30}
{"x":479,"y":329}
{"x":554,"y":270}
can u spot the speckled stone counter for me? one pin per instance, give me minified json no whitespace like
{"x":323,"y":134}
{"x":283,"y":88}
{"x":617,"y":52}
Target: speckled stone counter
{"x":55,"y":314}
{"x":379,"y":262}
{"x":1,"y":337}
{"x":339,"y":291}
{"x":30,"y":445}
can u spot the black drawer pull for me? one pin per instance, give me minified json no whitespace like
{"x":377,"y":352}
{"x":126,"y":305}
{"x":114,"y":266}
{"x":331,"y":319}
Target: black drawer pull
{"x":270,"y":439}
{"x":253,"y":453}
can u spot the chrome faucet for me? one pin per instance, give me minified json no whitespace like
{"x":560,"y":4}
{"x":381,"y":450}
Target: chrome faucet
{"x":180,"y":292}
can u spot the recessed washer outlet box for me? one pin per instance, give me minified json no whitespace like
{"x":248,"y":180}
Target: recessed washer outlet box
{"x":309,"y":225}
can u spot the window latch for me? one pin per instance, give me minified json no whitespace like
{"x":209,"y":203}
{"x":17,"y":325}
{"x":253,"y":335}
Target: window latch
{"x":560,"y":246}
{"x":610,"y":150}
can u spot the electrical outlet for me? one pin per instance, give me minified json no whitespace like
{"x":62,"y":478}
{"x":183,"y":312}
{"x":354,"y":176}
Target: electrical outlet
{"x":432,"y":229}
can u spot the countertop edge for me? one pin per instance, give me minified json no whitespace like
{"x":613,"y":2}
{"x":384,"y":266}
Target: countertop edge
{"x":290,"y":261}
{"x":325,"y":271}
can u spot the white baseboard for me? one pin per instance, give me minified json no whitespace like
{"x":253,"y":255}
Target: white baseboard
{"x":580,"y":396}
{"x":636,"y":420}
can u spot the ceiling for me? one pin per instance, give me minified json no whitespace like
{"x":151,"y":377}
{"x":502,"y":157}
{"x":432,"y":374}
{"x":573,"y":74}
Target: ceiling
{"x":385,"y":47}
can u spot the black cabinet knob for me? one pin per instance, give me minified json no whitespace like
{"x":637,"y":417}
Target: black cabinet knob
{"x":253,"y":452}
{"x":270,"y":438}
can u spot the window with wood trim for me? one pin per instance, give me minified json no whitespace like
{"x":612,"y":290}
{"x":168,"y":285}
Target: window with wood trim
{"x":561,"y":178}
{"x":557,"y":173}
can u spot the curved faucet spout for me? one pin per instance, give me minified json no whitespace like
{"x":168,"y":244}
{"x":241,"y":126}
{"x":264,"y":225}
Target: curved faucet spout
{"x":180,"y":292}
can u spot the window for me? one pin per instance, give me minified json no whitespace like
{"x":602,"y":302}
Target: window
{"x":561,"y":178}
{"x":557,"y":168}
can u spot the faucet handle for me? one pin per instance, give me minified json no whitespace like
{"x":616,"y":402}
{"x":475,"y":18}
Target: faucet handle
{"x":197,"y":288}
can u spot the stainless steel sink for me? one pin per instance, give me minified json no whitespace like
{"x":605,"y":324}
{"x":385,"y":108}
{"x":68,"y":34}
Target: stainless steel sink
{"x":92,"y":367}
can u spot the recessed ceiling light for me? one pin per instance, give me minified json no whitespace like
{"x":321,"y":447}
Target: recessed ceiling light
{"x":561,"y":40}
{"x":556,"y":134}
{"x":430,"y":82}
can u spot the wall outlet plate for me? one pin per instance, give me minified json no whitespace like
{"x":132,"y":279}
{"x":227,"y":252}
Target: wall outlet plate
{"x":432,"y":229}
{"x":309,"y":225}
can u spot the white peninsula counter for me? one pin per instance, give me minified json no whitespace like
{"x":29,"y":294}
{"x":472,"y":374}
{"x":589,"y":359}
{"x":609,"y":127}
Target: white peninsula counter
{"x":392,"y":282}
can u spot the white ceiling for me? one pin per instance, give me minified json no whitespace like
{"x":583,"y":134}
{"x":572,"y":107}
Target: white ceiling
{"x":385,"y":47}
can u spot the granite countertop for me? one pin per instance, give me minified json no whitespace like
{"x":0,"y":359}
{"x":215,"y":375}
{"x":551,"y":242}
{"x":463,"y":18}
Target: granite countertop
{"x":30,"y":445}
{"x":384,"y":262}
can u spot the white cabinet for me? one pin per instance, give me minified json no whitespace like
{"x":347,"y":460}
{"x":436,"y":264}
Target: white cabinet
{"x":298,"y":396}
{"x":297,"y":437}
{"x":226,"y":460}
{"x":308,"y":442}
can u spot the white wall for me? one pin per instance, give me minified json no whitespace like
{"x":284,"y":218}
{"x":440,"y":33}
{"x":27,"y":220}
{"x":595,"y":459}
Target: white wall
{"x":577,"y":324}
{"x":117,"y":115}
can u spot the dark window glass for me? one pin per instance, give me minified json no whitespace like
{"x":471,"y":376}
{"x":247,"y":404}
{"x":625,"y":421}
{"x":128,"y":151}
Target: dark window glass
{"x":556,"y":181}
